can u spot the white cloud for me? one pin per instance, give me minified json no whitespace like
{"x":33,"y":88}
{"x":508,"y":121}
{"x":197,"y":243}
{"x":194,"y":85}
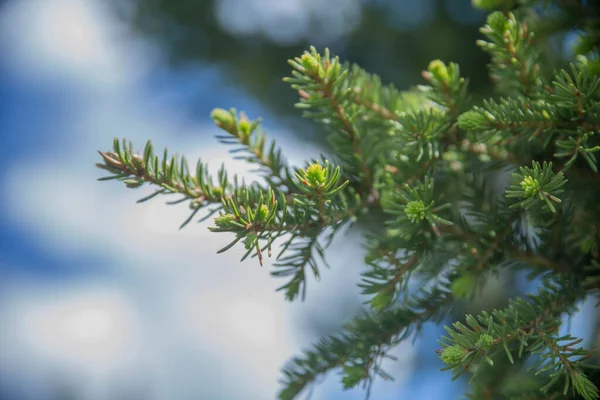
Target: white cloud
{"x":85,"y":327}
{"x":291,"y":20}
{"x":70,"y":40}
{"x":85,"y":331}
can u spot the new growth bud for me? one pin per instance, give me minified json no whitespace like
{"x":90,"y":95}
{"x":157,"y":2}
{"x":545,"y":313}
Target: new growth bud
{"x":226,"y":221}
{"x":217,"y":191}
{"x":310,"y":64}
{"x":245,"y":126}
{"x":453,"y":355}
{"x":530,"y":185}
{"x":415,"y":211}
{"x":262,"y":212}
{"x":316,"y":174}
{"x":223,"y":119}
{"x":485,"y":341}
{"x":439,"y":70}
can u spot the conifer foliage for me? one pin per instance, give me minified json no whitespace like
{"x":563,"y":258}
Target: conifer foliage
{"x":467,"y":190}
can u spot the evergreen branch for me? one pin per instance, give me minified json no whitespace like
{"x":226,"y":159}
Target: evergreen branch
{"x":420,"y":132}
{"x":365,"y":339}
{"x":448,"y":88}
{"x":368,"y":92}
{"x":576,"y":92}
{"x":511,"y":116}
{"x":322,"y":83}
{"x":387,"y":277}
{"x":246,"y":132}
{"x":510,"y":45}
{"x":170,"y":174}
{"x":572,"y":117}
{"x":245,"y":211}
{"x":577,"y":97}
{"x":414,"y":208}
{"x":348,"y":127}
{"x":385,"y":101}
{"x":310,"y":212}
{"x":535,"y":184}
{"x":376,"y":108}
{"x":389,"y":273}
{"x":419,"y":174}
{"x":295,"y":265}
{"x":508,"y":381}
{"x":533,"y":324}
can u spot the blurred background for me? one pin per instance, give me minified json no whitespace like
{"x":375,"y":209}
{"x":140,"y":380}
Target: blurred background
{"x":102,"y":298}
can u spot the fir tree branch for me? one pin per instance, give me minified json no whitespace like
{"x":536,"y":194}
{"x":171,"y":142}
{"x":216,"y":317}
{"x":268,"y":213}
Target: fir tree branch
{"x":376,"y":108}
{"x":388,"y":275}
{"x":534,"y":325}
{"x":326,"y":90}
{"x":170,"y":174}
{"x":311,"y":211}
{"x":510,"y":45}
{"x":448,"y":88}
{"x":247,"y":133}
{"x":364,"y":339}
{"x":311,"y":64}
{"x":509,"y":116}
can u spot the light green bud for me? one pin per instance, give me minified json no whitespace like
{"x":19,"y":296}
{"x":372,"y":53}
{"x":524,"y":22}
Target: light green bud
{"x":453,"y":355}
